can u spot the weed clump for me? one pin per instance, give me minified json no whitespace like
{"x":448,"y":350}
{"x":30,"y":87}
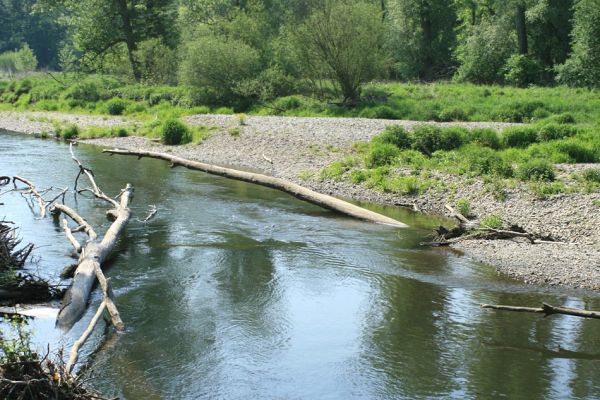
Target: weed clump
{"x":536,"y":170}
{"x":396,"y":135}
{"x":519,"y":137}
{"x":381,"y":154}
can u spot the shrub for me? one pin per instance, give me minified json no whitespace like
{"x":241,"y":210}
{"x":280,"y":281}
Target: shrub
{"x":483,"y":55}
{"x":464,"y":207}
{"x":70,"y":132}
{"x":381,"y":154}
{"x":576,"y":151}
{"x":592,"y":175}
{"x":396,"y":135}
{"x":483,"y":160}
{"x":519,"y":136}
{"x":120,"y":132}
{"x":85,"y":91}
{"x":554,"y":131}
{"x":219,"y":64}
{"x":174,"y":132}
{"x":452,"y":114}
{"x":452,"y":138}
{"x":379,"y":112}
{"x":355,"y":31}
{"x":535,"y":170}
{"x":565,"y":118}
{"x":426,"y":139}
{"x":157,"y":62}
{"x":520,"y":111}
{"x":522,"y":70}
{"x":492,"y":221}
{"x":486,"y":137}
{"x":116,"y":106}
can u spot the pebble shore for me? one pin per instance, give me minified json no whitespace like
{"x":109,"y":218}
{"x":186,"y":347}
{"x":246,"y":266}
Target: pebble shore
{"x":297,"y":149}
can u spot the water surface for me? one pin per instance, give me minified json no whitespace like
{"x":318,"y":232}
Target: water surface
{"x":236,"y":291}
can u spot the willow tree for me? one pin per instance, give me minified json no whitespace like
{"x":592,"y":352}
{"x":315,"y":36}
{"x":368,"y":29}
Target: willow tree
{"x":99,"y":26}
{"x":342,"y":41}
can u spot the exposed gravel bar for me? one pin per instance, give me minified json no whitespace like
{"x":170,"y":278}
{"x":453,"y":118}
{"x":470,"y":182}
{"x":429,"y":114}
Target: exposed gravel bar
{"x":299,"y":148}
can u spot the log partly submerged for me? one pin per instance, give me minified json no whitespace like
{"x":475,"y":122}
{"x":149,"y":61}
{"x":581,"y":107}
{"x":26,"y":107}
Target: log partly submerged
{"x":547,"y":310}
{"x":92,"y":253}
{"x":294,"y":189}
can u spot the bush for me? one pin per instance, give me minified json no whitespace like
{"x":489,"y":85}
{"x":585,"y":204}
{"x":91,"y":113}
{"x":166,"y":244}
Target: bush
{"x":522,"y":70}
{"x":174,"y":132}
{"x":576,"y":151}
{"x":491,"y":221}
{"x":464,"y":207}
{"x":452,"y":114}
{"x":379,"y":112}
{"x":452,"y":138}
{"x":396,"y":135}
{"x":84,"y":91}
{"x":116,"y":106}
{"x":535,"y":170}
{"x":520,"y":111}
{"x":70,"y":132}
{"x":519,"y":137}
{"x":426,"y":139}
{"x":157,"y":62}
{"x":554,"y":131}
{"x":565,"y":118}
{"x":486,"y":137}
{"x":483,"y":160}
{"x":592,"y":175}
{"x":484,"y":53}
{"x":120,"y":132}
{"x":381,"y":154}
{"x":341,"y":41}
{"x":219,"y":64}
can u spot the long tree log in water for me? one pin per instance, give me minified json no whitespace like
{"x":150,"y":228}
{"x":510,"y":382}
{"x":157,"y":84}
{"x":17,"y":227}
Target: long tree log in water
{"x":296,"y":190}
{"x":547,"y":310}
{"x":92,"y":253}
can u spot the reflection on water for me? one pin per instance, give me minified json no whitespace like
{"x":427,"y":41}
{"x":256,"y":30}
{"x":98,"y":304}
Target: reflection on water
{"x":235,"y":291}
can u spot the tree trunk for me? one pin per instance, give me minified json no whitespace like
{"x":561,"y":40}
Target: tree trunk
{"x":93,"y":254}
{"x":303,"y":193}
{"x":426,"y":27}
{"x":129,"y":37}
{"x":521,"y":28}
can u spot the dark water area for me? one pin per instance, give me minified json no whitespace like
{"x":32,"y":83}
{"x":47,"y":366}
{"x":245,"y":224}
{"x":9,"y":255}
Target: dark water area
{"x":236,"y":291}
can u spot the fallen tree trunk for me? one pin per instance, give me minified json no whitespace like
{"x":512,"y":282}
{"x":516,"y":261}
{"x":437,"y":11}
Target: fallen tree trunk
{"x":296,"y":190}
{"x":547,"y":310}
{"x":92,"y":253}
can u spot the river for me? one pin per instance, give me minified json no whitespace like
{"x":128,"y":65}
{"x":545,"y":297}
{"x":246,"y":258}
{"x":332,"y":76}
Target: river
{"x":235,"y":291}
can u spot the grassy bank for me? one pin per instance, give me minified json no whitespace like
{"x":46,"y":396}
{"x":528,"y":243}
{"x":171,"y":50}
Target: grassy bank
{"x":419,"y":102}
{"x":406,"y":163}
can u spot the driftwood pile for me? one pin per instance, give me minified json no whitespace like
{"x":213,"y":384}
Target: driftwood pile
{"x":467,"y":229}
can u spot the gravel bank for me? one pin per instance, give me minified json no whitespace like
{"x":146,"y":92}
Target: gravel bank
{"x":38,"y":122}
{"x":299,"y":148}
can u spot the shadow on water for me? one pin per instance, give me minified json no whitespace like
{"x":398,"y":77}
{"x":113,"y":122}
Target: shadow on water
{"x":238,"y":291}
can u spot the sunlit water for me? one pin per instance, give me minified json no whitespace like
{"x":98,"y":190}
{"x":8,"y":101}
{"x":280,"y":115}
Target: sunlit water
{"x":235,"y":291}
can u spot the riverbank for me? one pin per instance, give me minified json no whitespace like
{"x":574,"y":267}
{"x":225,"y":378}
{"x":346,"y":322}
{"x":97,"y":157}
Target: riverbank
{"x":298,"y":149}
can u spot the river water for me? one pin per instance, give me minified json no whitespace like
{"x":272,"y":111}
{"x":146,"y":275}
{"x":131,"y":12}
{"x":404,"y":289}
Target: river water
{"x":236,"y":291}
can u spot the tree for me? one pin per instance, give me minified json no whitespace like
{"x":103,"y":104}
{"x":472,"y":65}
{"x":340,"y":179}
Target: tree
{"x":99,"y":26}
{"x":583,"y":66}
{"x":421,"y":35}
{"x":342,"y":41}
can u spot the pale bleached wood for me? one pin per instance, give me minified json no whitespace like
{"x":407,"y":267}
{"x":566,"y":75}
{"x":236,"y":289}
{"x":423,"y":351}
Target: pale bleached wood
{"x":294,"y":189}
{"x":74,"y":353}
